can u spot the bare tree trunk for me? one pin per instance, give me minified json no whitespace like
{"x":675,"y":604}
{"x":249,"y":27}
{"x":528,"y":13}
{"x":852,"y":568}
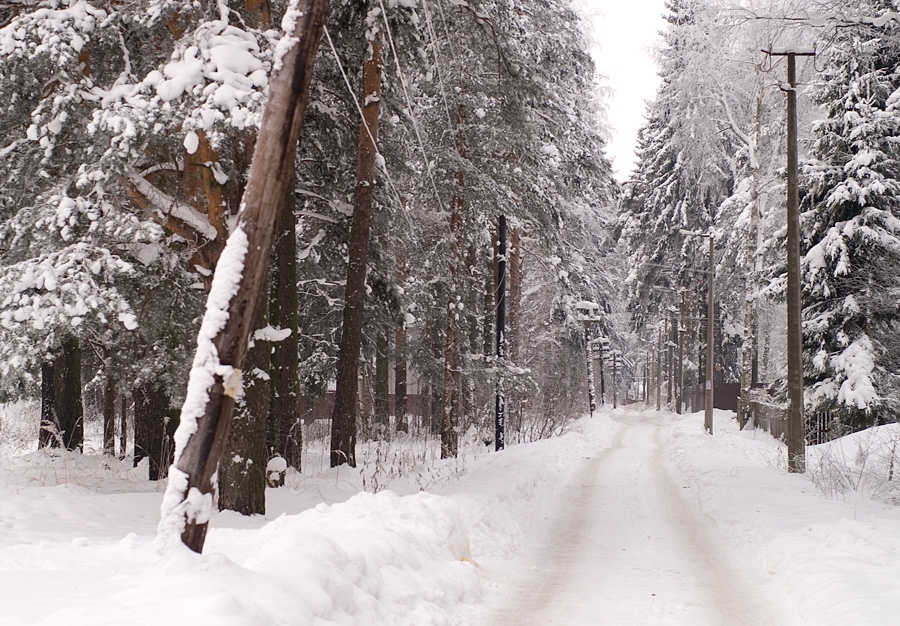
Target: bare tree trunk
{"x":109,"y":417}
{"x":123,"y":426}
{"x":48,"y":436}
{"x":151,"y":412}
{"x":382,"y":383}
{"x":400,"y":389}
{"x":343,"y":419}
{"x":473,"y":349}
{"x":365,"y":410}
{"x":242,"y":472}
{"x":284,"y":435}
{"x":514,"y":334}
{"x":490,"y":280}
{"x":451,"y":404}
{"x":237,"y":289}
{"x":67,"y":400}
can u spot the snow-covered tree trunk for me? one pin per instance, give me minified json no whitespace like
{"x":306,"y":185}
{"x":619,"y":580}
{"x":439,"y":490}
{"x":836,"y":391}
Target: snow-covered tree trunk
{"x":343,"y":419}
{"x":238,"y":285}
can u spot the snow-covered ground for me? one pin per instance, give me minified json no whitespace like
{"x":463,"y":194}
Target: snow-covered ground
{"x":728,"y":533}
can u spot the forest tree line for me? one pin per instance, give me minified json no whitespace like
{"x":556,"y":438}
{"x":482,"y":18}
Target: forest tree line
{"x":128,"y":135}
{"x":712,"y":161}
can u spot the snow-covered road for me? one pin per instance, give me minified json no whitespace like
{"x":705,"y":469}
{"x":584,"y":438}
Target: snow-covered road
{"x":627,"y":544}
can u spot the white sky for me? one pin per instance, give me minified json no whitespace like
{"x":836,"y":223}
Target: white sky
{"x":625,"y":33}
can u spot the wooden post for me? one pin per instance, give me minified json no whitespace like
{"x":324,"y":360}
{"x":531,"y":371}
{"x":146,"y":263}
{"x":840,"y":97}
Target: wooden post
{"x":237,"y":287}
{"x":710,"y":341}
{"x":796,"y":425}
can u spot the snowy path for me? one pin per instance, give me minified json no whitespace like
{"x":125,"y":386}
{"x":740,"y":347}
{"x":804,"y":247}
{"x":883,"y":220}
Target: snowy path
{"x":628,"y":546}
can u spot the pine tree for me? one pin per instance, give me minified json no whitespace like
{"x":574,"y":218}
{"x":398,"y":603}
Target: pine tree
{"x":851,"y":230}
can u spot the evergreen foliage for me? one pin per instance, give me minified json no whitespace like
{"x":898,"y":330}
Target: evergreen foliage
{"x":851,"y":230}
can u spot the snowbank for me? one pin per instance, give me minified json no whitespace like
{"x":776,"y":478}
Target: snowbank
{"x":834,"y":560}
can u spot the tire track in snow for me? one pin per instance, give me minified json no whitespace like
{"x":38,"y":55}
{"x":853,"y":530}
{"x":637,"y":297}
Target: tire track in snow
{"x":628,"y":546}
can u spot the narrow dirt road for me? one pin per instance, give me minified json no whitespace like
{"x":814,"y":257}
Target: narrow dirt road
{"x":628,"y":546}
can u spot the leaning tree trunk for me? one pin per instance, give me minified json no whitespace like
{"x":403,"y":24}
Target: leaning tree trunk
{"x":242,"y":472}
{"x":284,"y":436}
{"x":343,"y":419}
{"x":237,"y":287}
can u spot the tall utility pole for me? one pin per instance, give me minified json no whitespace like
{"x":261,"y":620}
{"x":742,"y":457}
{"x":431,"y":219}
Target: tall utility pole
{"x":588,"y":315}
{"x":679,"y":401}
{"x":796,"y":425}
{"x":710,"y":330}
{"x":602,"y":376}
{"x":615,"y":354}
{"x":710,"y":342}
{"x":500,"y":408}
{"x":589,"y":350}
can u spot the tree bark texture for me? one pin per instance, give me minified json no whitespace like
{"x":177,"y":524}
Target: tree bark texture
{"x":400,"y":356}
{"x":242,"y":472}
{"x":490,"y":310}
{"x":473,"y":347}
{"x":382,"y":382}
{"x":47,"y":436}
{"x":151,"y":412}
{"x":284,"y":435}
{"x":109,"y":418}
{"x":343,"y":418}
{"x":123,"y":426}
{"x":207,"y":415}
{"x":451,"y":395}
{"x":514,"y":335}
{"x":62,"y":412}
{"x":204,"y":193}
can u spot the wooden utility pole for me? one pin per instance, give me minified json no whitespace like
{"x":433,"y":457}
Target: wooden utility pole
{"x":796,"y":442}
{"x":592,"y":394}
{"x":615,"y":354}
{"x":796,"y":425}
{"x":500,"y":408}
{"x":710,"y":340}
{"x":237,"y":287}
{"x":679,"y":400}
